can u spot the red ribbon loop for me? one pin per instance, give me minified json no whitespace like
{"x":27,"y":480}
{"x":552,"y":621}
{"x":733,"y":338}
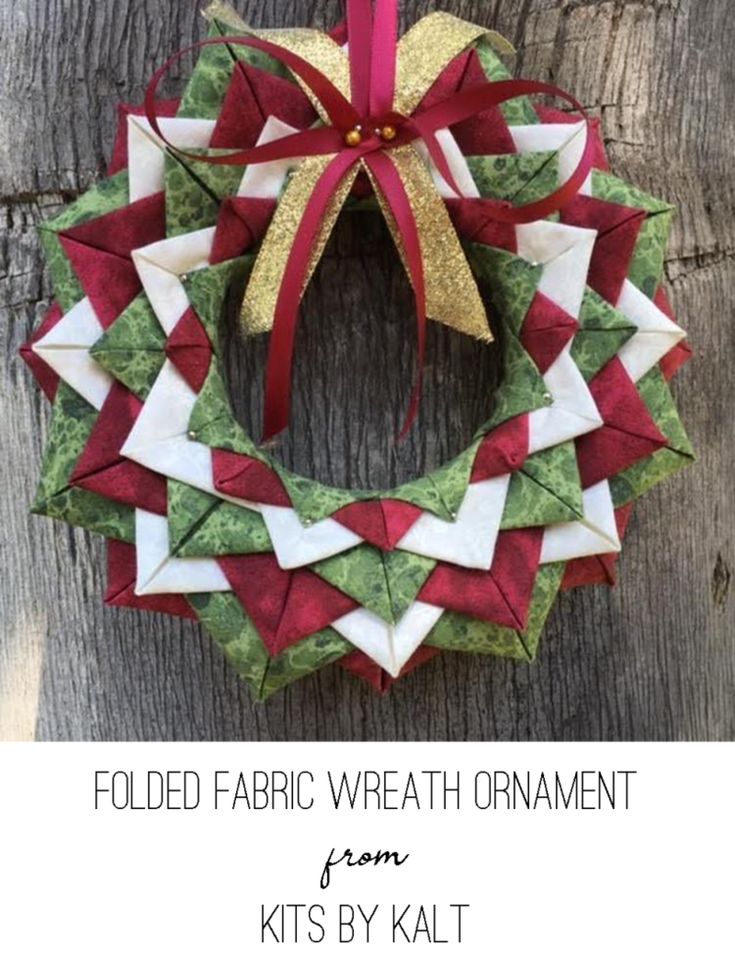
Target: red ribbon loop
{"x":373,"y":48}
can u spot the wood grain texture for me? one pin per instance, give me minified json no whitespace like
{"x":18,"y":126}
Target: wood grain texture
{"x":654,"y":659}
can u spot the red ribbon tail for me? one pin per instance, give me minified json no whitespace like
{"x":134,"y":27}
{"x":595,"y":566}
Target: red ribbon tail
{"x":392,"y":188}
{"x":283,"y":337}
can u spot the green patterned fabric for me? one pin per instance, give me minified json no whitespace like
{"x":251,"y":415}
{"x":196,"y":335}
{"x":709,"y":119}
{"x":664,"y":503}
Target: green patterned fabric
{"x":132,"y":349}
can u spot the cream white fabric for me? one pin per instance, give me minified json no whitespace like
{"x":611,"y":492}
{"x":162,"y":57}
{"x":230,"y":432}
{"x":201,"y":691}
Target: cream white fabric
{"x":391,"y":646}
{"x":65,"y":348}
{"x":297,"y":545}
{"x":656,"y":335}
{"x":568,"y":140}
{"x":147,"y":152}
{"x":158,"y":573}
{"x":595,"y":534}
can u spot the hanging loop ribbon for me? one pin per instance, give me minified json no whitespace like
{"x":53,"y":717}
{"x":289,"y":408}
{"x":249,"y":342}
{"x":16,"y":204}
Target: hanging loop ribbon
{"x":362,"y":133}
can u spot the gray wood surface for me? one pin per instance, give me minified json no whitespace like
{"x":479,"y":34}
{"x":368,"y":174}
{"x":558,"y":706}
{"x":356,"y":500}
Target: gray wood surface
{"x":654,"y":659}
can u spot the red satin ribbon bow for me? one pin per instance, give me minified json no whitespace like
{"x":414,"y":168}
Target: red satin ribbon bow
{"x":365,"y":130}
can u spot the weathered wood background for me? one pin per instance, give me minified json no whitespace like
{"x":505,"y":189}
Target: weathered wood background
{"x":654,"y":659}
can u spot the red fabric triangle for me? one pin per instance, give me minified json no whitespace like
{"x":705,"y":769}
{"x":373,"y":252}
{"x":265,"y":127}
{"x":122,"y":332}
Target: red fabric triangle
{"x":381,"y":523}
{"x":474,"y":221}
{"x":119,"y":160}
{"x":549,"y":114}
{"x":101,"y":468}
{"x":598,"y":570}
{"x":47,"y":379}
{"x":243,"y":221}
{"x":502,"y":595}
{"x":110,"y":282}
{"x":189,"y":349}
{"x":285,"y":606}
{"x":121,"y":573}
{"x":126,"y":229}
{"x":253,"y":96}
{"x":364,"y":668}
{"x":547,"y":329}
{"x":245,"y":478}
{"x":618,"y":228}
{"x":484,"y":134}
{"x":629,"y":433}
{"x":503,"y":450}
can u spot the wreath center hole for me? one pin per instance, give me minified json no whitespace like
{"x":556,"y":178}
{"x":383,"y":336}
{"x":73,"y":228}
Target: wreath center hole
{"x":354,"y":371}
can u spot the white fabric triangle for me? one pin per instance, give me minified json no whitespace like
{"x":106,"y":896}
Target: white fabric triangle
{"x":567,"y":139}
{"x":147,"y":152}
{"x":565,"y":253}
{"x":160,"y":267}
{"x":159,"y":439}
{"x":265,"y":180}
{"x":159,"y":574}
{"x":65,"y":348}
{"x":573,"y":411}
{"x":656,"y":335}
{"x":296,"y":545}
{"x":470,"y":540}
{"x":457,"y":164}
{"x":390,"y":646}
{"x":595,"y":534}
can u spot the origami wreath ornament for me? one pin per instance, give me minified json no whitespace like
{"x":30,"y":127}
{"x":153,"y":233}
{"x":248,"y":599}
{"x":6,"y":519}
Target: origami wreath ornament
{"x":242,"y":181}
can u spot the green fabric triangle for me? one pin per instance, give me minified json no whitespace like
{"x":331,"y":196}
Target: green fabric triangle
{"x":518,"y":112}
{"x":603,"y":333}
{"x":517,"y":177}
{"x":546,"y":491}
{"x":210,"y":80}
{"x":611,"y":189}
{"x":386,"y":583}
{"x":68,"y":290}
{"x":132,"y":349}
{"x":207,"y":290}
{"x":523,"y":389}
{"x":512,"y":283}
{"x":644,"y":475}
{"x":203,"y":526}
{"x":224,"y":618}
{"x":212,"y":421}
{"x":647,"y":265}
{"x":194,"y":191}
{"x":71,"y":425}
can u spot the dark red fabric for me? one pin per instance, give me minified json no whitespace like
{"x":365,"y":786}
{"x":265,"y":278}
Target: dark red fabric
{"x":245,"y":478}
{"x":618,"y":228}
{"x":47,"y":379}
{"x":99,"y":252}
{"x":549,"y":114}
{"x":502,"y":595}
{"x":284,"y":606}
{"x":121,"y":575}
{"x":253,"y":96}
{"x":243,"y":221}
{"x":484,"y":134}
{"x":547,"y":329}
{"x":126,"y":229}
{"x":364,"y":668}
{"x":474,"y":220}
{"x":119,"y":159}
{"x":110,"y":282}
{"x":101,"y":468}
{"x":381,"y":523}
{"x":597,"y":570}
{"x":189,"y":349}
{"x":503,"y":450}
{"x":629,"y":433}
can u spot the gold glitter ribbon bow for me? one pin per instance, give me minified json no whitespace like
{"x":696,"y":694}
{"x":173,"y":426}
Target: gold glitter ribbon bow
{"x":452,"y":297}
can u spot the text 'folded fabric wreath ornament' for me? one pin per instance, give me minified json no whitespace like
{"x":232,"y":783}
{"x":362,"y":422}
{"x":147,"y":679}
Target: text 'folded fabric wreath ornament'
{"x":242,"y":181}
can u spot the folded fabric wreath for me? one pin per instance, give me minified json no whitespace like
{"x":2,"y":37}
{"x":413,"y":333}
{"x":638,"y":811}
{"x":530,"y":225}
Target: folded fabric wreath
{"x":242,"y":181}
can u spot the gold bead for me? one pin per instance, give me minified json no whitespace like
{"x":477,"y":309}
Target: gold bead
{"x":389,"y":133}
{"x":353,"y":138}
